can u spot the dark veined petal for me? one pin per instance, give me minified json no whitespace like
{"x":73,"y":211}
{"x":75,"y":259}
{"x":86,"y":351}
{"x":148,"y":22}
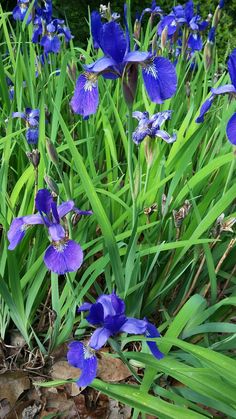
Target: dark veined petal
{"x":160,"y":79}
{"x":16,"y":232}
{"x":85,"y":99}
{"x":99,"y":337}
{"x":232,"y":67}
{"x":89,"y":371}
{"x":43,"y":201}
{"x":231,"y":129}
{"x":134,"y":326}
{"x":204,"y":108}
{"x":63,"y":257}
{"x":80,"y":356}
{"x":56,"y":232}
{"x":32,"y":135}
{"x":195,"y":42}
{"x":96,"y":314}
{"x":113,"y":41}
{"x":96,"y":26}
{"x":64,"y":208}
{"x":152,"y":332}
{"x":227,"y":88}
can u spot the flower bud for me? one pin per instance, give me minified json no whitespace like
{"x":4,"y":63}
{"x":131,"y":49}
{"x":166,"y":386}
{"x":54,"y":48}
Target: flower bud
{"x":216,"y":17}
{"x":129,"y":84}
{"x":51,"y":184}
{"x":34,"y":157}
{"x":164,"y":36}
{"x":52,"y":151}
{"x":137,"y":29}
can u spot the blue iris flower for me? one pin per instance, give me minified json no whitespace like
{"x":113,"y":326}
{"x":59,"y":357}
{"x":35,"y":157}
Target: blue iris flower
{"x":153,"y":10}
{"x":150,"y":126}
{"x":229,"y":89}
{"x":158,"y":73}
{"x":20,"y":10}
{"x":109,"y":314}
{"x":63,"y":255}
{"x":31,"y":118}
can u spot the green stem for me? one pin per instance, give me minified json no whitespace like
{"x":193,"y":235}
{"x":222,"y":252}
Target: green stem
{"x":130,"y":163}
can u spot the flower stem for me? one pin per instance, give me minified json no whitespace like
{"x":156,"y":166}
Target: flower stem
{"x":130,"y":163}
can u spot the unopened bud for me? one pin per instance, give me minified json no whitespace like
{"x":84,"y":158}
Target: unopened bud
{"x":51,"y":184}
{"x":164,"y":36}
{"x":130,"y":84}
{"x":216,"y":17}
{"x":52,"y":151}
{"x":34,"y":157}
{"x":149,"y":150}
{"x":71,"y":68}
{"x":154,"y":44}
{"x":137,"y":29}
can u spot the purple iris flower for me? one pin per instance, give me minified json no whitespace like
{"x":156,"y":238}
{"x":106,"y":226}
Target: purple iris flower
{"x":158,"y":73}
{"x":229,"y":89}
{"x":109,"y":314}
{"x":153,"y":10}
{"x":31,"y":118}
{"x":21,"y":9}
{"x":63,"y":255}
{"x":150,"y":126}
{"x":50,"y":41}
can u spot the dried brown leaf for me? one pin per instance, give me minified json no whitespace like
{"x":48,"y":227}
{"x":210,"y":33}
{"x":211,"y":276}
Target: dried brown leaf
{"x":112,"y":369}
{"x":12,"y":385}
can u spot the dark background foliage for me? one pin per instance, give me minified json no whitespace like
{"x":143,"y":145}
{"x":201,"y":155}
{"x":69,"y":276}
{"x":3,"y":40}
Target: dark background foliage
{"x":76,"y":13}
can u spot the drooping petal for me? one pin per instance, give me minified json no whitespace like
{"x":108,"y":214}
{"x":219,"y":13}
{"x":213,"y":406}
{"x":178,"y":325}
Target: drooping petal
{"x":19,"y":115}
{"x":50,"y":44}
{"x":204,"y":108}
{"x":195,"y":42}
{"x":165,"y":136}
{"x":221,"y":90}
{"x":85,"y":99}
{"x":140,"y":115}
{"x":232,"y":67}
{"x":82,"y":212}
{"x":152,"y":332}
{"x":160,"y":79}
{"x":56,"y":232}
{"x":231,"y":129}
{"x":32,"y":135}
{"x":113,"y":41}
{"x":75,"y":355}
{"x":99,"y":338}
{"x":18,"y":228}
{"x":134,"y":326}
{"x":168,"y":22}
{"x":16,"y":232}
{"x":63,"y":257}
{"x":80,"y":356}
{"x":84,"y":307}
{"x":64,"y":208}
{"x":43,"y":201}
{"x":96,"y":314}
{"x":89,"y":371}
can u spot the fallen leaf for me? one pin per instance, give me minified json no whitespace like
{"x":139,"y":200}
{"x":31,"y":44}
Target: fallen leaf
{"x":12,"y":385}
{"x":62,"y":370}
{"x":112,"y":369}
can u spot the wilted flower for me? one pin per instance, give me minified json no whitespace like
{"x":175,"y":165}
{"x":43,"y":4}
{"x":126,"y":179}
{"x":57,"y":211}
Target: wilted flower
{"x":227,"y":88}
{"x":109,"y":314}
{"x":150,"y":126}
{"x":31,"y":118}
{"x":63,"y":255}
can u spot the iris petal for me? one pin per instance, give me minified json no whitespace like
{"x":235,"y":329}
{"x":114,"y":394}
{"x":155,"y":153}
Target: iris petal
{"x":152,"y":332}
{"x":134,"y":326}
{"x":231,"y":129}
{"x":113,"y":42}
{"x":232,"y":67}
{"x":63,"y":257}
{"x":160,"y":79}
{"x":99,"y":337}
{"x":85,"y":99}
{"x":43,"y":201}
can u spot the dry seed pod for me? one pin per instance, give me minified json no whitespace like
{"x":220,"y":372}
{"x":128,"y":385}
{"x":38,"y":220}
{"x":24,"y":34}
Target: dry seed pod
{"x":181,"y":214}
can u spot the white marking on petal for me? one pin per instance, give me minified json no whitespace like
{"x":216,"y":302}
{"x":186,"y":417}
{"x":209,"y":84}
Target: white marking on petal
{"x":151,"y":70}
